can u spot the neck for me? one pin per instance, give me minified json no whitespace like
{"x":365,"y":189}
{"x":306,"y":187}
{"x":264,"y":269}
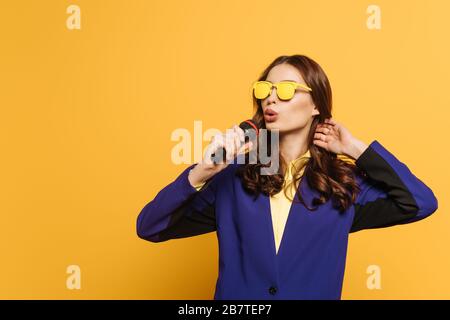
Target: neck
{"x":294,"y":144}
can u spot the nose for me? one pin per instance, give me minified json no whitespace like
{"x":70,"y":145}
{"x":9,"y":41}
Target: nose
{"x":272,"y":95}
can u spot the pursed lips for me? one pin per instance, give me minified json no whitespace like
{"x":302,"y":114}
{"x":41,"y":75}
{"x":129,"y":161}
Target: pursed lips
{"x":270,"y":112}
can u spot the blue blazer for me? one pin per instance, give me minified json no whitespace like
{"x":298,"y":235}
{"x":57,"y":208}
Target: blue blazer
{"x":311,"y":259}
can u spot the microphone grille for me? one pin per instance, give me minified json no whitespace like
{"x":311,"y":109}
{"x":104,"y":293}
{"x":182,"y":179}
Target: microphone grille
{"x":249,"y":125}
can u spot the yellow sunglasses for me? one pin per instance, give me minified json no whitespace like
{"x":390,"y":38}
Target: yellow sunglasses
{"x":285,"y":89}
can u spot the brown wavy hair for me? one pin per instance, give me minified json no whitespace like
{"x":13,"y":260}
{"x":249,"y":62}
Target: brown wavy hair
{"x":331,"y":175}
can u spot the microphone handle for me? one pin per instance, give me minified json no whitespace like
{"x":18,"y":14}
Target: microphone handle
{"x":215,"y":157}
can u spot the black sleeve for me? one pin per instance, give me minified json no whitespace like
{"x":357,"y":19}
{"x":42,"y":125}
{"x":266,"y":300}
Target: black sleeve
{"x":178,"y":211}
{"x":390,"y":193}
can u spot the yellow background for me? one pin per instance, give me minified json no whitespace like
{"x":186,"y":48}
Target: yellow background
{"x":86,"y":119}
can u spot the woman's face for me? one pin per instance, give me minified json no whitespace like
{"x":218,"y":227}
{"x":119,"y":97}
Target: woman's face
{"x":293,"y":114}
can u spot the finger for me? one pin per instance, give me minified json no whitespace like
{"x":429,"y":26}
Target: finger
{"x":207,"y":158}
{"x":212,"y":149}
{"x":215,"y":146}
{"x":226,"y":146}
{"x":334,"y":133}
{"x":330,"y":127}
{"x":246,"y":147}
{"x":219,"y":141}
{"x":240,"y":132}
{"x":236,"y":141}
{"x":325,"y":125}
{"x":212,"y":145}
{"x":331,"y":121}
{"x":320,"y":144}
{"x":217,"y":137}
{"x":320,"y":136}
{"x":240,"y":142}
{"x":230,"y":147}
{"x":323,"y":130}
{"x":237,"y":144}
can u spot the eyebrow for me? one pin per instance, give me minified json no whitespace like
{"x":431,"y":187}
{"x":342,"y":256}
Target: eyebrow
{"x":284,"y":80}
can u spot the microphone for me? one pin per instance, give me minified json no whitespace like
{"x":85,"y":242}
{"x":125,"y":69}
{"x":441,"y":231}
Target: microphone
{"x":248,"y":126}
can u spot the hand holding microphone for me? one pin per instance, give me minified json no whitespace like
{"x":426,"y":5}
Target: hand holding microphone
{"x":224,"y":147}
{"x":240,"y":134}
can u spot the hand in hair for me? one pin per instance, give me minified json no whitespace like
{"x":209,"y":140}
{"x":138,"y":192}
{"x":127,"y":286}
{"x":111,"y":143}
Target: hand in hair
{"x":334,"y":137}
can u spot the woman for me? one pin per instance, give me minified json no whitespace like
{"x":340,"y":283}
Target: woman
{"x":281,"y":236}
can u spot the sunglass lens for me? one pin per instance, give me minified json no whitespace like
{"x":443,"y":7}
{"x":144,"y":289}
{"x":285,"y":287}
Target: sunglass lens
{"x":261,"y":90}
{"x":285,"y":91}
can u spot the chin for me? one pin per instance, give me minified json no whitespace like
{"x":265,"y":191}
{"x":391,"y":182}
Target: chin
{"x":277,"y":125}
{"x":272,"y":125}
